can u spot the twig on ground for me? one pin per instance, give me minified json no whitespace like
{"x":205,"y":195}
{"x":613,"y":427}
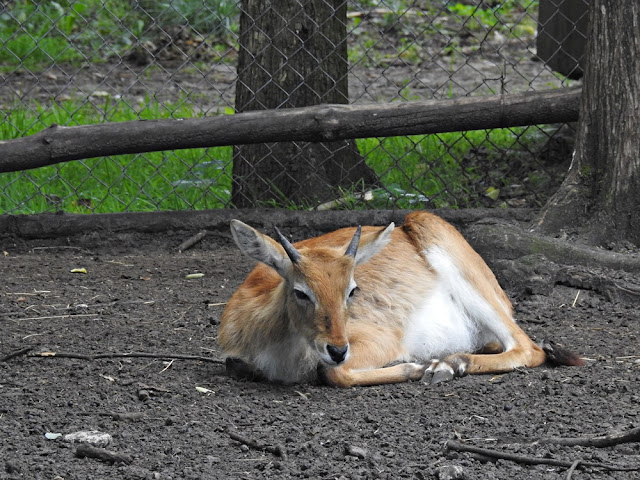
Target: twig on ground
{"x":277,"y":450}
{"x":104,"y":455}
{"x":74,"y":308}
{"x":342,"y":201}
{"x":168,"y":365}
{"x":117,"y":416}
{"x":190,"y":242}
{"x":217,"y":304}
{"x":128,"y":355}
{"x":24,"y":351}
{"x":51,"y":317}
{"x":460,"y":447}
{"x":603,"y":441}
{"x":629,"y":290}
{"x":60,"y":247}
{"x":572,"y":469}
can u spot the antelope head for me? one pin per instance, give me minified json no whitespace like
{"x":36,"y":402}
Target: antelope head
{"x":319,"y":284}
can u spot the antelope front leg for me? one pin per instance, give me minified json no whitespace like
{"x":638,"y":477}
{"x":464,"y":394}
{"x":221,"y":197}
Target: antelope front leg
{"x":372,"y":347}
{"x":343,"y":376}
{"x":241,"y":370}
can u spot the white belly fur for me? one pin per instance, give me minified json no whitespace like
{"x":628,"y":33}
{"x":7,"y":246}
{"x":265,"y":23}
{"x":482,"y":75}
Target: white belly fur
{"x":453,"y":316}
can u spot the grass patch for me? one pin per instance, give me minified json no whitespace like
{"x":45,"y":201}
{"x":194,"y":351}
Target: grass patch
{"x":35,"y":35}
{"x":38,"y":34}
{"x":440,"y":170}
{"x":185,"y":179}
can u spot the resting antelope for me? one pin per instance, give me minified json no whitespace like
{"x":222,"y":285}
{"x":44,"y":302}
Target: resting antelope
{"x":371,"y":306}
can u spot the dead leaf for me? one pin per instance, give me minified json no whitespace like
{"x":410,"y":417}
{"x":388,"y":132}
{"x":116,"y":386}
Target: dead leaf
{"x":204,"y":390}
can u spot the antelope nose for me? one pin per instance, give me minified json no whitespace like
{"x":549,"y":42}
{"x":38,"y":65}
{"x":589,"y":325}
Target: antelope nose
{"x":337,"y":354}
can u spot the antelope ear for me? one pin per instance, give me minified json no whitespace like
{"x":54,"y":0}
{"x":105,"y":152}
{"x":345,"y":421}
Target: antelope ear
{"x":260,"y":247}
{"x":372,"y":244}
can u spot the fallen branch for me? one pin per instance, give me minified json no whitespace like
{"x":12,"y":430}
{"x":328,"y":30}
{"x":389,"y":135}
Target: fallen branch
{"x":513,"y":242}
{"x":527,"y":460}
{"x":128,"y":355}
{"x":51,"y":317}
{"x":102,"y":454}
{"x":603,"y":441}
{"x":190,"y":242}
{"x":54,"y":225}
{"x":116,"y":416}
{"x":573,"y":468}
{"x":277,"y":450}
{"x":18,"y":353}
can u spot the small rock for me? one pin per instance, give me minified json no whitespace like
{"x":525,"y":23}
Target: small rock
{"x":143,"y":395}
{"x":450,"y":472}
{"x":92,"y":437}
{"x":354,"y":451}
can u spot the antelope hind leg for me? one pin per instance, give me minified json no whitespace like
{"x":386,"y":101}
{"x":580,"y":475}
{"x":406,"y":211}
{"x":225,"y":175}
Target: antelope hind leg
{"x":460,"y":364}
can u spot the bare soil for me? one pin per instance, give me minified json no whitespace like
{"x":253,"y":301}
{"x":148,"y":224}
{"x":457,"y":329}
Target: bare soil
{"x":135,"y":298}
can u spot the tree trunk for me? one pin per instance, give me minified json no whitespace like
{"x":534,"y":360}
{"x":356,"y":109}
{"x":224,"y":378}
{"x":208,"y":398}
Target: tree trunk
{"x":293,"y":53}
{"x":600,"y":198}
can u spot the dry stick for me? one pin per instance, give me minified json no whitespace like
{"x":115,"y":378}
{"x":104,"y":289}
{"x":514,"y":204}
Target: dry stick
{"x":50,"y":317}
{"x":630,"y":291}
{"x":123,"y":416}
{"x":128,"y":355}
{"x":603,"y":441}
{"x":84,"y":450}
{"x":190,"y":242}
{"x":277,"y":450}
{"x":574,"y":465}
{"x":453,"y":445}
{"x":24,"y":351}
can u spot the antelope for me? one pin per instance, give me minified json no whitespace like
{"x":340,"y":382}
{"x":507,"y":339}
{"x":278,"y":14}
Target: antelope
{"x":370,"y":306}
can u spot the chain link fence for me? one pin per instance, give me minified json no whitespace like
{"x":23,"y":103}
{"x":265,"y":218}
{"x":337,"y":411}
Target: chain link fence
{"x":79,"y":62}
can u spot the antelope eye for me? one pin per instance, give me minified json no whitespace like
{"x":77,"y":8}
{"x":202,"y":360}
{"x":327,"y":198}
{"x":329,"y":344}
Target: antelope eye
{"x":353,"y":292}
{"x":300,"y":295}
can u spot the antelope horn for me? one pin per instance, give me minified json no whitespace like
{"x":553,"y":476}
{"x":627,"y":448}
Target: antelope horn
{"x":352,"y":249}
{"x":293,"y":254}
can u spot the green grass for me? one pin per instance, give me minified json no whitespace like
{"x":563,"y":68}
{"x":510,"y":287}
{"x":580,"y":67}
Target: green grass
{"x":186,"y":179}
{"x":218,"y":18}
{"x":426,"y":170}
{"x":501,"y":15}
{"x":37,"y":34}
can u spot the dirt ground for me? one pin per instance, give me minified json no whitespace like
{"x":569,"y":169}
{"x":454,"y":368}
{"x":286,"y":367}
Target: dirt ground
{"x":181,"y":414}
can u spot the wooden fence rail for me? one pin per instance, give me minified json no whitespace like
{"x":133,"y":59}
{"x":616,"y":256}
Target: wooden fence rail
{"x":57,"y":144}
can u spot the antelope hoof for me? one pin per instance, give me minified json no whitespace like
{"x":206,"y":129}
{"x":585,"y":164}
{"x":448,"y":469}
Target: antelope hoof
{"x":451,"y":367}
{"x":442,"y":376}
{"x":415,"y":371}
